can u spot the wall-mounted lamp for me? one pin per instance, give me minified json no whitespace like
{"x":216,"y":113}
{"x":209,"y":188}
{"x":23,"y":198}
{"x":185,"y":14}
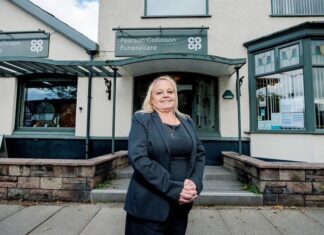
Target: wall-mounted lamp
{"x":108,"y":85}
{"x":228,"y":95}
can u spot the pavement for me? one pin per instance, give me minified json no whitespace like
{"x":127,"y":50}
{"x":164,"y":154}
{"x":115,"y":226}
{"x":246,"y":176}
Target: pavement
{"x":108,"y":218}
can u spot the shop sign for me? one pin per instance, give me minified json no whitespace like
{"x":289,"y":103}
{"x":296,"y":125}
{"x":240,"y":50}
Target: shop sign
{"x":31,"y":47}
{"x":149,"y":42}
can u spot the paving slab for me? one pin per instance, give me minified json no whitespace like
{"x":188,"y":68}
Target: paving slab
{"x":69,"y":220}
{"x":315,"y":214}
{"x":108,"y":221}
{"x":109,"y":218}
{"x":7,"y":210}
{"x":206,"y":222}
{"x":292,"y":222}
{"x":25,"y":220}
{"x":247,"y":221}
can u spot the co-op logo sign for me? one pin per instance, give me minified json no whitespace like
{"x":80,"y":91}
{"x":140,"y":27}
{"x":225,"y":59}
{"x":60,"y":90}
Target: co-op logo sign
{"x":194,"y":43}
{"x":36,"y":45}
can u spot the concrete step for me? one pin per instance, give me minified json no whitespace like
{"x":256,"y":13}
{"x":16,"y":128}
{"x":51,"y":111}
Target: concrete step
{"x":238,"y":198}
{"x":220,"y":188}
{"x":209,"y":185}
{"x":210,"y":173}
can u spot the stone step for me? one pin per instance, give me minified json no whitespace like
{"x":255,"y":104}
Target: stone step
{"x":211,"y":173}
{"x":209,"y":185}
{"x":239,"y":198}
{"x":220,"y":188}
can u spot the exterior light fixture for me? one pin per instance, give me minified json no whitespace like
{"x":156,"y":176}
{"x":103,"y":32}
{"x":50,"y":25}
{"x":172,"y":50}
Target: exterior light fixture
{"x":108,"y":85}
{"x":228,"y":95}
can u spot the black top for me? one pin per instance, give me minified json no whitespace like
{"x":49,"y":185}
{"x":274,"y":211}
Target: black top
{"x":180,"y":150}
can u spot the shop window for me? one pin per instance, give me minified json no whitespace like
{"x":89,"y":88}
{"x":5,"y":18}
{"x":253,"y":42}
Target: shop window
{"x":280,"y":101}
{"x":197,"y":96}
{"x":47,"y":103}
{"x":289,"y":56}
{"x":264,"y":62}
{"x":318,"y":81}
{"x":297,"y":7}
{"x":176,"y":7}
{"x":279,"y":94}
{"x":318,"y":52}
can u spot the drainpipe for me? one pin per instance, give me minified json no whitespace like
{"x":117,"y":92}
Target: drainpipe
{"x":114,"y":113}
{"x":87,"y":142}
{"x":238,"y":98}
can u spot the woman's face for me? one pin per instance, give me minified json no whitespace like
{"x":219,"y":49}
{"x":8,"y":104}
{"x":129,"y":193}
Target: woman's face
{"x":163,"y":96}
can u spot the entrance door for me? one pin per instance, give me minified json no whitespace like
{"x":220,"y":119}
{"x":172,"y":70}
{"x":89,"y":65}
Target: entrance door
{"x":197,"y":96}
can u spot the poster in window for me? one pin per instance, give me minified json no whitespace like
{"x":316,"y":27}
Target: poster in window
{"x":262,"y":101}
{"x":275,"y":121}
{"x":292,"y":120}
{"x":292,"y":105}
{"x":264,"y":125}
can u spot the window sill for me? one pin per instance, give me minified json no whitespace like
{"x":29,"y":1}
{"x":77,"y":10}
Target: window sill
{"x":296,"y":15}
{"x":177,"y":16}
{"x":48,"y":133}
{"x":224,"y":139}
{"x":286,"y":132}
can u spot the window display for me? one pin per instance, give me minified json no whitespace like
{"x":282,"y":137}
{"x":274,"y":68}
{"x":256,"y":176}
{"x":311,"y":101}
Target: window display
{"x":48,"y":103}
{"x":280,"y":101}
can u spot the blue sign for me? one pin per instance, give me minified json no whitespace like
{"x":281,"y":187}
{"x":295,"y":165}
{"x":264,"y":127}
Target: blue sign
{"x":149,"y":42}
{"x":24,"y":44}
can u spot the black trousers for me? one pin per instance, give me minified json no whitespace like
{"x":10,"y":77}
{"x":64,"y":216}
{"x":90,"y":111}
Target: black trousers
{"x":175,"y":224}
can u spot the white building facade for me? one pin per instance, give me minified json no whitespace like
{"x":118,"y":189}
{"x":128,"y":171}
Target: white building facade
{"x":208,"y":47}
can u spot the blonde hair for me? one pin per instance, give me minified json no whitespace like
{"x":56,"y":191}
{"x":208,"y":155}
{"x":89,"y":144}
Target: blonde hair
{"x":147,"y":104}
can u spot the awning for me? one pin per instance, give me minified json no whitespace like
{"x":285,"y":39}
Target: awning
{"x":17,"y":66}
{"x":136,"y":66}
{"x":203,"y":64}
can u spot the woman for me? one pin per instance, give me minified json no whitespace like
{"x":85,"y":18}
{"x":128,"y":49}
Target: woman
{"x":168,"y":161}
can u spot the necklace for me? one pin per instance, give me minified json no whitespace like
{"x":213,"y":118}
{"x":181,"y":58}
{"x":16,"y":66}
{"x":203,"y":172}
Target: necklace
{"x":171,"y":129}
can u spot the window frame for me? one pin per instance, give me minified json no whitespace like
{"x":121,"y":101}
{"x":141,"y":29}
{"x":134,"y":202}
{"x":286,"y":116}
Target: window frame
{"x":176,"y":16}
{"x":20,"y":91}
{"x":292,"y":15}
{"x":305,"y":65}
{"x":312,"y":66}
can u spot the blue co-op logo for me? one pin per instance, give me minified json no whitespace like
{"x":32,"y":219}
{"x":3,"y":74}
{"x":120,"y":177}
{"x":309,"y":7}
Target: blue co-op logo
{"x":194,"y":43}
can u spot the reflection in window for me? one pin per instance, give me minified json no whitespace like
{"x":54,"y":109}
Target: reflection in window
{"x":176,"y":7}
{"x":280,"y":101}
{"x":318,"y":52}
{"x":318,"y":78}
{"x":264,"y":62}
{"x":48,"y":103}
{"x":289,"y":56}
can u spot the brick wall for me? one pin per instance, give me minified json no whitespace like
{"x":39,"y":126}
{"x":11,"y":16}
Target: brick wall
{"x":284,"y":183}
{"x":55,"y":180}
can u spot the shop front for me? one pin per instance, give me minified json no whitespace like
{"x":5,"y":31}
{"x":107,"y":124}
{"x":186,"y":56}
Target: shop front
{"x":182,"y":54}
{"x":63,"y":96}
{"x":286,"y":92}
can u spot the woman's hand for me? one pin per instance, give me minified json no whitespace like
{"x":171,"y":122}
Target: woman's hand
{"x":188,"y":193}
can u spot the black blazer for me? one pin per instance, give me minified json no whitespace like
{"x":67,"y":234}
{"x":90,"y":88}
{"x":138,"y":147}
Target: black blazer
{"x":151,"y":189}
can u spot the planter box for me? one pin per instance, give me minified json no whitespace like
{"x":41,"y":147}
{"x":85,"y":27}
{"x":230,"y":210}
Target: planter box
{"x":285,"y":183}
{"x":55,"y":179}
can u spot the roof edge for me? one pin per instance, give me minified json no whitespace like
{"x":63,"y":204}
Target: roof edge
{"x":298,"y":27}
